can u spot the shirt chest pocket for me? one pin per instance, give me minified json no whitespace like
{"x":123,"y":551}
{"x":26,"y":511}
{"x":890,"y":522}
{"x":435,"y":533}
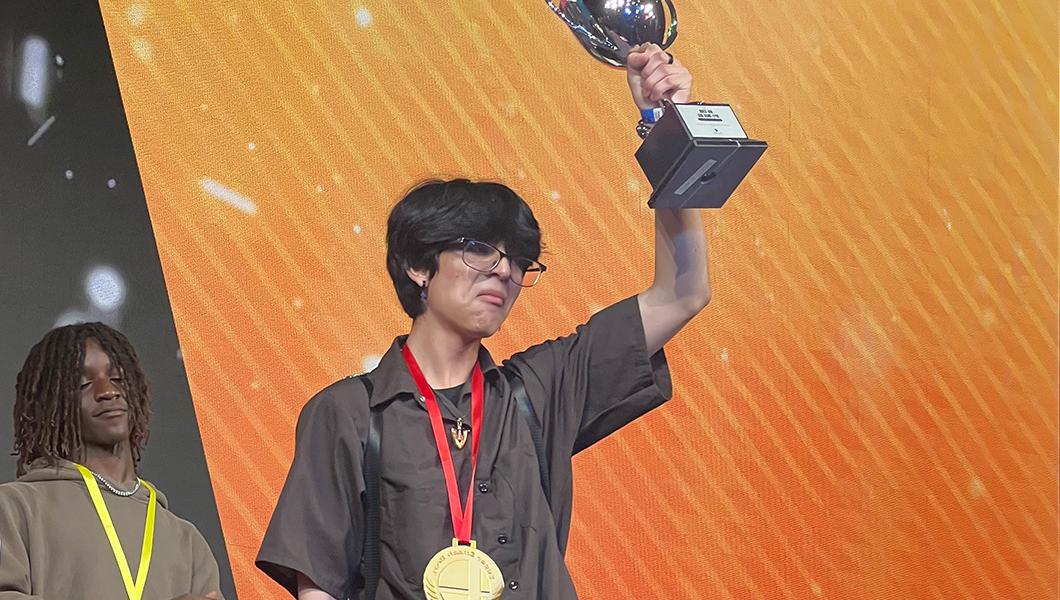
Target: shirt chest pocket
{"x":417,"y":524}
{"x":500,"y":522}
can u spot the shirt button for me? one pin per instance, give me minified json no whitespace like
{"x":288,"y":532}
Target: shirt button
{"x":502,"y":539}
{"x":513,"y":585}
{"x":484,"y":487}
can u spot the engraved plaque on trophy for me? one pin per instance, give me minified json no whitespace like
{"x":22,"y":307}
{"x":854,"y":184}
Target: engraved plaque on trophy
{"x":696,"y":154}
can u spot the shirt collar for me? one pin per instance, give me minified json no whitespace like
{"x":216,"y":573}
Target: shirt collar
{"x":392,"y":378}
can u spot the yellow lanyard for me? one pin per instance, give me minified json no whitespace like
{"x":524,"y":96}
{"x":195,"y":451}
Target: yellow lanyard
{"x":135,"y":589}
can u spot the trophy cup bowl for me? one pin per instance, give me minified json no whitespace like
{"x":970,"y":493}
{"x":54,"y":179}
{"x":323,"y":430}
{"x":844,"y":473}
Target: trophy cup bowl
{"x":607,"y":29}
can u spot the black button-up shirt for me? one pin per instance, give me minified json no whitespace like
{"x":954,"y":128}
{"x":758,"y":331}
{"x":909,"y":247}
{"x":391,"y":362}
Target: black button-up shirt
{"x":583,"y":386}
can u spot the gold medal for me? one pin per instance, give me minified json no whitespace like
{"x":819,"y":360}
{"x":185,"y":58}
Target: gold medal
{"x":462,"y":572}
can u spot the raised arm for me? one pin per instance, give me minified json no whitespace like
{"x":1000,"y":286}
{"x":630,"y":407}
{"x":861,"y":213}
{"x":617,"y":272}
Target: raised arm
{"x":681,"y":287}
{"x":682,"y":283}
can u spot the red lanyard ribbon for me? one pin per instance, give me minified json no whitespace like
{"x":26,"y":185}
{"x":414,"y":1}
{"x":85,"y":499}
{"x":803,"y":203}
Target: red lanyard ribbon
{"x":461,"y":518}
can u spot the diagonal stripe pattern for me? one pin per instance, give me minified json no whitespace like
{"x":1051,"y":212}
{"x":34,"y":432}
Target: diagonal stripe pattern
{"x":867,"y":410}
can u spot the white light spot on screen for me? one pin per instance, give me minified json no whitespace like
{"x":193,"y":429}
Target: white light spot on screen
{"x":554,"y":195}
{"x":251,"y":146}
{"x":105,"y":288}
{"x":112,"y":183}
{"x":45,"y":126}
{"x":320,"y":189}
{"x":33,"y":85}
{"x":69,"y":174}
{"x":976,"y":488}
{"x":59,"y":60}
{"x":228,"y":196}
{"x":71,"y":317}
{"x":816,"y":589}
{"x":724,"y":355}
{"x":370,"y":362}
{"x":633,"y":185}
{"x":136,"y":14}
{"x":297,"y":302}
{"x":1019,"y":252}
{"x":142,"y":49}
{"x":357,"y":229}
{"x":363,"y":16}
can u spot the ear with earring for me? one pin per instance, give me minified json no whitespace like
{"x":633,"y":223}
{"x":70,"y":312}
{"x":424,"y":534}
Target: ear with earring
{"x":423,"y":290}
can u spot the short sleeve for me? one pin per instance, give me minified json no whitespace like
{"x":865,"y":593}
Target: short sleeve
{"x":14,"y":555}
{"x":205,"y":577}
{"x":317,"y":527}
{"x":589,"y":384}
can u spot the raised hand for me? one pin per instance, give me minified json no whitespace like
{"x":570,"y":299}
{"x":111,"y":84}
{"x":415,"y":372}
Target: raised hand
{"x":654,"y":75}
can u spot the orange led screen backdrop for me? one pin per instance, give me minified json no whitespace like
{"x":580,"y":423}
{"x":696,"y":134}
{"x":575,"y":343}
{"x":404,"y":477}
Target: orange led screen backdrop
{"x":868,"y":407}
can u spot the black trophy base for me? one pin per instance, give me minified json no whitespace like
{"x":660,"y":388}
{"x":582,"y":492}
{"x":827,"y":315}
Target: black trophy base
{"x":686,"y":171}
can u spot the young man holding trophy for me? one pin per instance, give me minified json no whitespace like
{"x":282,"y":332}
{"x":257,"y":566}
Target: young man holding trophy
{"x":441,"y":474}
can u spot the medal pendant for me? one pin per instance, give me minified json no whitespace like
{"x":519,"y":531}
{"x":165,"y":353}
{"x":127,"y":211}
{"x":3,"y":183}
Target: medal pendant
{"x":462,"y":573}
{"x":459,"y":433}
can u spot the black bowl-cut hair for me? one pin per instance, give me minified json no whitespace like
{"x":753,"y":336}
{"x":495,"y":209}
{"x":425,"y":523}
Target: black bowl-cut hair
{"x":436,"y":213}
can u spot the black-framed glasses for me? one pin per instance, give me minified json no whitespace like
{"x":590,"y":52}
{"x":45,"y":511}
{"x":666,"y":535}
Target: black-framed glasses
{"x":484,"y":258}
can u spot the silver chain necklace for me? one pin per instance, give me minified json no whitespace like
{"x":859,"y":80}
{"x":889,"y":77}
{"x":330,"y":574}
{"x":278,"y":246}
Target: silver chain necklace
{"x":114,"y":490}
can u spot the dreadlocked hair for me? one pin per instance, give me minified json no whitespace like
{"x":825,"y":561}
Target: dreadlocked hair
{"x":48,"y":398}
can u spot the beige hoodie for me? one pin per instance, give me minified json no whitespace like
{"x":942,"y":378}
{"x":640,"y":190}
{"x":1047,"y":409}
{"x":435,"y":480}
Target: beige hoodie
{"x":53,"y":547}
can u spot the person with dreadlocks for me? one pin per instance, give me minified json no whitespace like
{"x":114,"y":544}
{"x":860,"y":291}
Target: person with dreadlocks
{"x":79,"y":522}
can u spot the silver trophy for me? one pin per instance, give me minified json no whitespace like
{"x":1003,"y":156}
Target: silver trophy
{"x":696,"y":154}
{"x":609,"y":28}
